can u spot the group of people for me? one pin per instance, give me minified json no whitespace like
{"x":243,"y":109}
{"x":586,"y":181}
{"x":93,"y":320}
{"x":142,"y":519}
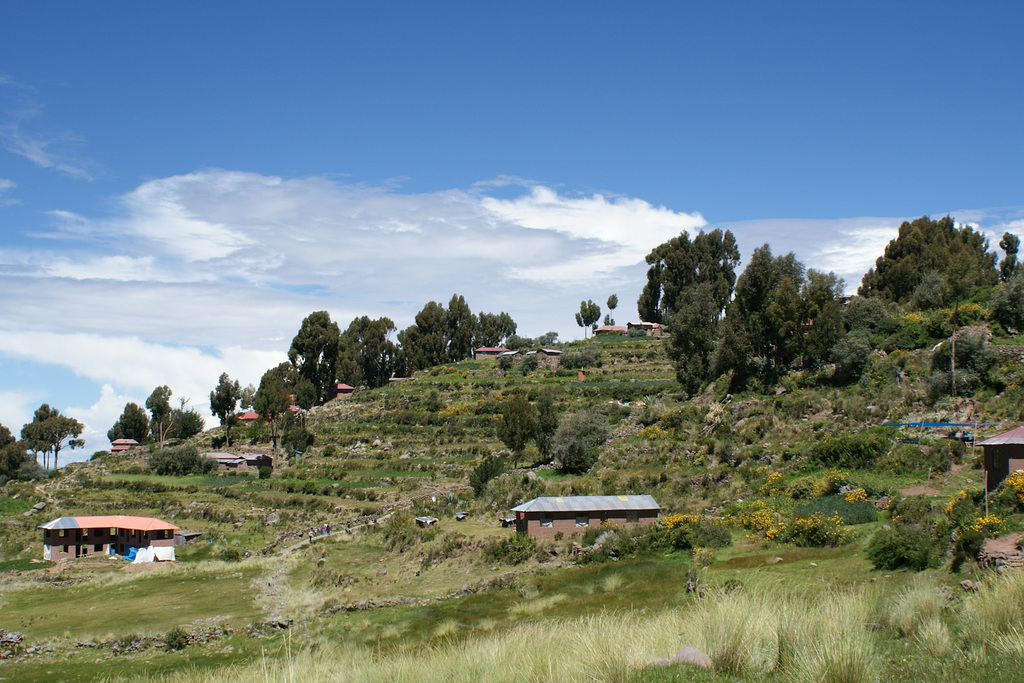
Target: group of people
{"x":322,"y":530}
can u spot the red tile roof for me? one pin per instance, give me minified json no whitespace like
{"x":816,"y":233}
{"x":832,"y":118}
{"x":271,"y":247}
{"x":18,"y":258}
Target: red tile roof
{"x":109,"y":522}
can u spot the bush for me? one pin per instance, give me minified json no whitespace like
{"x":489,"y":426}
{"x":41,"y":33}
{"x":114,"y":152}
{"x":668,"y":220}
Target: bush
{"x":850,"y":512}
{"x":180,"y":461}
{"x":902,"y":546}
{"x":265,"y":471}
{"x":581,"y":357}
{"x":817,"y":530}
{"x":853,"y":451}
{"x":908,"y":541}
{"x":177,"y":638}
{"x":689,"y":531}
{"x":489,"y":468}
{"x":514,"y":549}
{"x":577,"y":439}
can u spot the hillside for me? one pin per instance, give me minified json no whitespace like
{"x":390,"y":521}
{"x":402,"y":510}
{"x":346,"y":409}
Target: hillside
{"x":775,"y":501}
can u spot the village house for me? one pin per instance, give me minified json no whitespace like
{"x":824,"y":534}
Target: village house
{"x":244,"y":462}
{"x":485,"y":352}
{"x":121,"y":445}
{"x":66,"y":538}
{"x":610,"y":329}
{"x":650,"y":329}
{"x":1004,"y":453}
{"x":545,"y":517}
{"x":248,"y":417}
{"x":342,"y":389}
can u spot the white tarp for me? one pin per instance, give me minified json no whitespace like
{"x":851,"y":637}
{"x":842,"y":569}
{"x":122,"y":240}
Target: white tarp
{"x":143,"y":555}
{"x":154,"y":554}
{"x":164,"y":553}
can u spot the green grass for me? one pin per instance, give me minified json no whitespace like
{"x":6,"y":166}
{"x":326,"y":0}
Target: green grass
{"x":14,"y":506}
{"x":205,"y":481}
{"x":23,"y":565}
{"x":152,"y":601}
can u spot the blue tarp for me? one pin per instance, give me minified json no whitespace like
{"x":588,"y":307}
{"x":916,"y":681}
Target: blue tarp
{"x":939,"y":424}
{"x":130,"y":555}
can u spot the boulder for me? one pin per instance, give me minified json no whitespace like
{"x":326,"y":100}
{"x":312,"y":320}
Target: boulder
{"x":691,"y":655}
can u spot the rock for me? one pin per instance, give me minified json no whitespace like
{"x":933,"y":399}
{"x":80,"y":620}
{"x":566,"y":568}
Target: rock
{"x":813,"y":564}
{"x":883,"y":503}
{"x":776,"y":560}
{"x":691,"y":655}
{"x":969,"y":585}
{"x":39,"y":506}
{"x":272,"y":518}
{"x":779,"y":391}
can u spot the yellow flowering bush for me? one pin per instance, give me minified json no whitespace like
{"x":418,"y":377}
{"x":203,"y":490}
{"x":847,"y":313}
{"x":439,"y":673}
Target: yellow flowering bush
{"x":763,"y":521}
{"x":772,"y":486}
{"x":988,"y":526}
{"x":1015,"y":483}
{"x":652,"y":432}
{"x":455,"y":410}
{"x":818,"y":530}
{"x":856,"y":496}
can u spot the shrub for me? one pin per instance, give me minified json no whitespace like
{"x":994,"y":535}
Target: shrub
{"x":265,"y":471}
{"x":817,"y":531}
{"x":514,"y":549}
{"x":689,"y":531}
{"x":180,"y":460}
{"x":850,"y":512}
{"x":849,"y":450}
{"x":577,"y":439}
{"x":902,"y":546}
{"x":177,"y":638}
{"x":581,"y":357}
{"x":489,"y":468}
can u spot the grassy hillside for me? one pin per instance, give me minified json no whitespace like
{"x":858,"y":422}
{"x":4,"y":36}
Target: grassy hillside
{"x":773,"y":505}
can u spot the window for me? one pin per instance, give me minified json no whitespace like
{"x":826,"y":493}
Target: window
{"x":113,"y":532}
{"x":62,"y":533}
{"x":97,"y":548}
{"x":63,"y":548}
{"x":632,"y":517}
{"x":582,"y":520}
{"x":545,"y":520}
{"x":85,"y":532}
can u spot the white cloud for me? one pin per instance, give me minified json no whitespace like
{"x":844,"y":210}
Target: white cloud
{"x":21,"y":135}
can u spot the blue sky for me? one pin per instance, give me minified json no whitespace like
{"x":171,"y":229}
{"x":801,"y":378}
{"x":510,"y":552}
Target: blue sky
{"x":181,"y":183}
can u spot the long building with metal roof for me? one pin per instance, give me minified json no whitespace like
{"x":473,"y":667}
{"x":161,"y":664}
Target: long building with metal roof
{"x":548,"y":516}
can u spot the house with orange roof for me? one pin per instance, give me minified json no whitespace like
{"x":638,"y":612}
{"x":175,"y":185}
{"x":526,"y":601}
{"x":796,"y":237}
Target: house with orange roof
{"x":66,"y":538}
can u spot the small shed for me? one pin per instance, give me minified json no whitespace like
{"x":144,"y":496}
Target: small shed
{"x":426,"y":521}
{"x":610,"y":329}
{"x":544,"y":517}
{"x":1004,"y":453}
{"x":461,"y":516}
{"x":508,"y":521}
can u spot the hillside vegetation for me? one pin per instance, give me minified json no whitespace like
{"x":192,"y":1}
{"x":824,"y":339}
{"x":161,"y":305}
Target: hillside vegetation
{"x":801,"y":539}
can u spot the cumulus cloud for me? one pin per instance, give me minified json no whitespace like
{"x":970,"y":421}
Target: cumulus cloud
{"x":213,"y":271}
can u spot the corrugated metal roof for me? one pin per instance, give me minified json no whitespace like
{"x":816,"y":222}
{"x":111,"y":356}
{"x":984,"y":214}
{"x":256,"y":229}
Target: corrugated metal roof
{"x":588,"y":503}
{"x":1013,"y":437}
{"x":109,"y":522}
